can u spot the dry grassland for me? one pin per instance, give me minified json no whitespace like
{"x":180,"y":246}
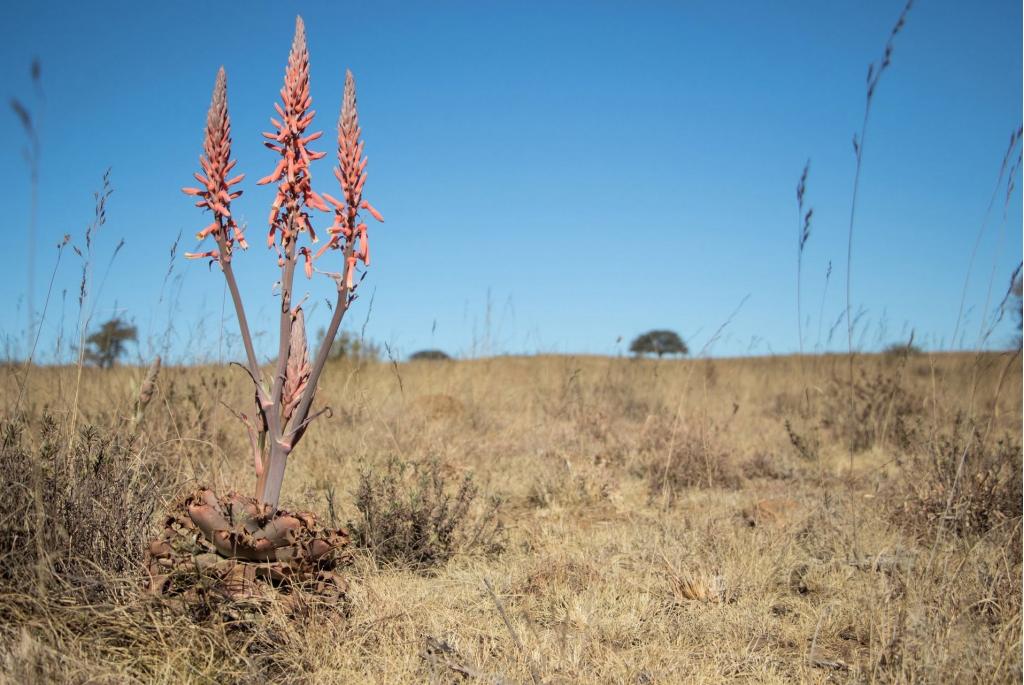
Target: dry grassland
{"x":638,"y":521}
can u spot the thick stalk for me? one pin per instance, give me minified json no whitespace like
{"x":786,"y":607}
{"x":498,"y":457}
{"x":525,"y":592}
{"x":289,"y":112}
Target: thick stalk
{"x":261,"y":480}
{"x":269,"y":483}
{"x":263,"y":403}
{"x":243,"y":327}
{"x":281,"y":447}
{"x":285,"y":328}
{"x":273,"y":475}
{"x":324,"y":351}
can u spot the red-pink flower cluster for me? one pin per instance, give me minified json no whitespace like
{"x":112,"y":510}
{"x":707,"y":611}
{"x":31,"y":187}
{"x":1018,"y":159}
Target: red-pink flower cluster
{"x":287,"y":215}
{"x":351,"y":174}
{"x":215,"y":193}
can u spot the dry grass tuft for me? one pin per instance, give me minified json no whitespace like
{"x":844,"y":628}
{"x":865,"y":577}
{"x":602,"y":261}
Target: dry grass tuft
{"x":83,"y":511}
{"x":969,"y":483}
{"x":685,"y":456}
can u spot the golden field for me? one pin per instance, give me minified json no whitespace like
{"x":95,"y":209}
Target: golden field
{"x":639,"y":521}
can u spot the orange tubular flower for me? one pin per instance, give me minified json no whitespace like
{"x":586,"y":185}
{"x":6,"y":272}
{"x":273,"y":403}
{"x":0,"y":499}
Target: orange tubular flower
{"x":351,"y":174}
{"x":290,"y":140}
{"x":216,"y":163}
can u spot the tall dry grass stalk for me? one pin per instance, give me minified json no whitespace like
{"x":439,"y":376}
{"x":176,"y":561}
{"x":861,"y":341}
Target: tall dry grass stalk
{"x":803,"y":235}
{"x":31,"y":357}
{"x":32,"y":154}
{"x":86,"y":303}
{"x":1015,"y":139}
{"x":874,"y":76}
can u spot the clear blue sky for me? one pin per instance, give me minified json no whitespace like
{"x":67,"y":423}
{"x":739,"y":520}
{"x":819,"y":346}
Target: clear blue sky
{"x":589,"y":169}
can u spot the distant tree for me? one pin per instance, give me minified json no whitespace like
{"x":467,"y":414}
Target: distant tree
{"x":105,"y":346}
{"x":902,"y":349}
{"x":428,"y":355}
{"x":659,"y":342}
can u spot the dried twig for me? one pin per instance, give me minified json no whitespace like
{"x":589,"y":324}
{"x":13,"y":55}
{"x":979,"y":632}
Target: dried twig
{"x":812,"y":656}
{"x":512,"y":631}
{"x":440,"y":653}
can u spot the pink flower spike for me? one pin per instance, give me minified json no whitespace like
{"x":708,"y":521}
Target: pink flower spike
{"x":337,"y":205}
{"x":274,"y":175}
{"x":368,"y":207}
{"x":317,"y":203}
{"x":213,"y":254}
{"x":292,"y":169}
{"x":350,"y":267}
{"x":328,"y":245}
{"x":216,"y":163}
{"x":309,"y":261}
{"x":208,"y":230}
{"x":240,"y":237}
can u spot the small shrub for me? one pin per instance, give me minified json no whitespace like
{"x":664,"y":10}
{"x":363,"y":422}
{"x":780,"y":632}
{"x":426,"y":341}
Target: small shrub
{"x":988,"y":491}
{"x":410,"y":514}
{"x":768,"y":466}
{"x":806,"y":444}
{"x":686,"y":457}
{"x":901,"y":350}
{"x":620,"y":393}
{"x":560,"y":482}
{"x":881,"y":404}
{"x":787,"y":404}
{"x":439,"y":406}
{"x":86,"y":510}
{"x":429,"y":356}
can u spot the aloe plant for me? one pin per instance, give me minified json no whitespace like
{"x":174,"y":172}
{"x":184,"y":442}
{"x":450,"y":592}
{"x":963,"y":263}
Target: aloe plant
{"x":253,"y":529}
